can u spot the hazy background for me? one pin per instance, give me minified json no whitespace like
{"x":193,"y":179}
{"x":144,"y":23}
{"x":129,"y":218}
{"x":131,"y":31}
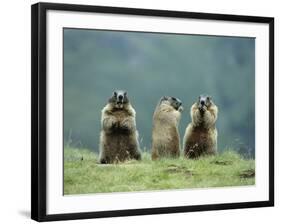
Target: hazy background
{"x":151,"y":65}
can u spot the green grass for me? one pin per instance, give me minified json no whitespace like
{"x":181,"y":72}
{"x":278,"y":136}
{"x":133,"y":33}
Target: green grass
{"x":82,"y":173}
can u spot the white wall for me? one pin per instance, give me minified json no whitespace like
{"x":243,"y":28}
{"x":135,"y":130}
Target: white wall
{"x":15,"y":110}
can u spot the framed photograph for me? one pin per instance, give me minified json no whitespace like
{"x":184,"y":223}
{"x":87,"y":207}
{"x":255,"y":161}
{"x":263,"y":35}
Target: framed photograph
{"x":141,"y":111}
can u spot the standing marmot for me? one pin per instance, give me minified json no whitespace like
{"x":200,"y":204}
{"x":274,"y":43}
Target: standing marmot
{"x":201,"y":134}
{"x":119,"y":136}
{"x":165,"y":134}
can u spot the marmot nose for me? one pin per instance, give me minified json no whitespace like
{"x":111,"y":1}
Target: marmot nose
{"x":202,"y":102}
{"x":120,"y":97}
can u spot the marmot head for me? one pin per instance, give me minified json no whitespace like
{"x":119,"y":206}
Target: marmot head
{"x":172,"y":101}
{"x":204,"y":102}
{"x":119,"y":99}
{"x":204,"y":112}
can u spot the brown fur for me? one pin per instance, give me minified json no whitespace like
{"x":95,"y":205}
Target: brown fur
{"x":119,"y":136}
{"x":201,"y":134}
{"x":165,"y":134}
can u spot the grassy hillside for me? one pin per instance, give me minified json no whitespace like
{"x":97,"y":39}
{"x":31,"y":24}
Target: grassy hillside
{"x":82,"y":173}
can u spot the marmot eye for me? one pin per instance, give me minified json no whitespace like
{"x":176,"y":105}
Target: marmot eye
{"x":115,"y":94}
{"x":125,"y":93}
{"x":208,"y":98}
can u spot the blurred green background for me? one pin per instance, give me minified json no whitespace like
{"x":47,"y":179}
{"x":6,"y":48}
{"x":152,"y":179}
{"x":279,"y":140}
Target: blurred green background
{"x":150,"y":65}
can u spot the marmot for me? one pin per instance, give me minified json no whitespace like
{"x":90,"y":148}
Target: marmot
{"x":165,"y":133}
{"x":201,"y":134}
{"x":119,"y":136}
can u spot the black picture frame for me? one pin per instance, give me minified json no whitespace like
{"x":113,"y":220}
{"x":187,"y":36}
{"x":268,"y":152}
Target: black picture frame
{"x":39,"y":122}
